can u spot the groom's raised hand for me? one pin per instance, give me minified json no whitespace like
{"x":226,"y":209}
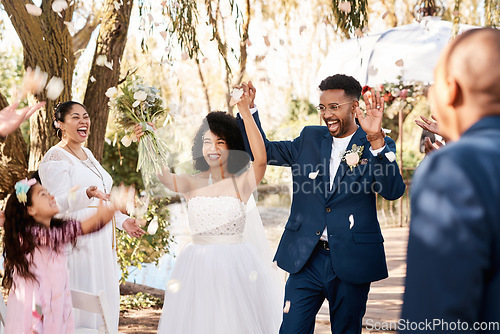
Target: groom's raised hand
{"x":371,"y":120}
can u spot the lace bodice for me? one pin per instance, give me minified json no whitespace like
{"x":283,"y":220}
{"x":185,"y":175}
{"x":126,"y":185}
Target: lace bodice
{"x":223,"y":215}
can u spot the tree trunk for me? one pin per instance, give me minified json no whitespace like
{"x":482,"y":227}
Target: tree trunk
{"x":111,"y":43}
{"x":13,"y":158}
{"x":46,"y":43}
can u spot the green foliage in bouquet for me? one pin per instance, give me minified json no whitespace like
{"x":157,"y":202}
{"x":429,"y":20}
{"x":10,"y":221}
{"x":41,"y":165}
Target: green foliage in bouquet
{"x":148,"y":248}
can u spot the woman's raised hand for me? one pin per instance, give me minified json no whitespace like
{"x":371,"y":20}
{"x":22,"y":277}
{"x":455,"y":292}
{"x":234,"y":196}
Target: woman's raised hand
{"x":139,"y":129}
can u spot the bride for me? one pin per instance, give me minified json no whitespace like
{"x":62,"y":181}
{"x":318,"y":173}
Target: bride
{"x":220,"y":283}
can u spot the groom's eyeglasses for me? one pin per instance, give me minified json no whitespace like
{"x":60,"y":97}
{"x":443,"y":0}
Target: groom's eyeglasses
{"x":332,"y":107}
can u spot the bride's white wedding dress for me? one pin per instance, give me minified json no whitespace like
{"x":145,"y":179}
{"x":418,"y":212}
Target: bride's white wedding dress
{"x":220,"y":283}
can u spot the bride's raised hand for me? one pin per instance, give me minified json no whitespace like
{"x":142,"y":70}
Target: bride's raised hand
{"x":246,"y":100}
{"x":139,"y":129}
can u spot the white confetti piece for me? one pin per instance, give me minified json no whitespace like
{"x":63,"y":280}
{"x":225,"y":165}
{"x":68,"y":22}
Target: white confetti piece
{"x":351,"y":221}
{"x":174,"y":285}
{"x":72,"y":193}
{"x":59,"y":5}
{"x":54,"y":88}
{"x":153,"y":226}
{"x":253,"y":276}
{"x":71,"y":28}
{"x":345,"y":6}
{"x":34,"y":81}
{"x":101,"y":60}
{"x":313,"y":175}
{"x":109,"y":64}
{"x":236,"y":95}
{"x":92,"y":79}
{"x":391,"y":156}
{"x":117,"y":5}
{"x":33,"y":10}
{"x":286,"y":309}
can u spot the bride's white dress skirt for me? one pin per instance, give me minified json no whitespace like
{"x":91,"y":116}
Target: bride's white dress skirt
{"x":220,"y":284}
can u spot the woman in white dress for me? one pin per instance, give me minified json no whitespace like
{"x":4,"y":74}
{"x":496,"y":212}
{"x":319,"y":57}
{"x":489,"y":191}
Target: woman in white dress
{"x":220,"y":284}
{"x":70,"y":172}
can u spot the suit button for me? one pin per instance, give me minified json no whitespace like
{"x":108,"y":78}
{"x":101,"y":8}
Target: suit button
{"x":318,"y":233}
{"x":328,"y":210}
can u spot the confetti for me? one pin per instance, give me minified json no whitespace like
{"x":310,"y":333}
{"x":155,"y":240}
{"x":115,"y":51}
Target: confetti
{"x":33,"y":10}
{"x":117,"y":5}
{"x":351,"y":220}
{"x":72,"y":193}
{"x":391,"y":156}
{"x":101,"y":60}
{"x":92,"y":79}
{"x":71,"y":28}
{"x":345,"y":6}
{"x":267,"y":41}
{"x":153,"y":226}
{"x":400,"y":62}
{"x":54,"y":88}
{"x":286,"y":309}
{"x":313,"y":175}
{"x":236,"y":95}
{"x":59,"y":5}
{"x":174,"y":285}
{"x":164,"y":34}
{"x":109,"y":64}
{"x":253,"y":276}
{"x":34,"y":81}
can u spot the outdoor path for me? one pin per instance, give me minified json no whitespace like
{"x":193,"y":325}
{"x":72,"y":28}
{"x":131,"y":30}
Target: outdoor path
{"x":386,"y":296}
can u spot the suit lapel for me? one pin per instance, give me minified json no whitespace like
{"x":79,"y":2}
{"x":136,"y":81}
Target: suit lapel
{"x":326,"y":152}
{"x":359,"y":139}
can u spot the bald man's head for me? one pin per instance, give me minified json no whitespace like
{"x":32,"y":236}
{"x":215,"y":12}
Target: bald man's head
{"x":467,"y":81}
{"x":473,"y":59}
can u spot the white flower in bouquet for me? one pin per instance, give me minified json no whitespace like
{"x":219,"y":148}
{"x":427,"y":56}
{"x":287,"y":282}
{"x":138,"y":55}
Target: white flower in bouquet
{"x":140,"y":104}
{"x":112,"y":92}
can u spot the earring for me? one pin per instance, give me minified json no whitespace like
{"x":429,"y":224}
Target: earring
{"x":58,"y":133}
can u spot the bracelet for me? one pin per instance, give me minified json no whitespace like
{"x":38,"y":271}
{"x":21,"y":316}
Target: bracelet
{"x":376,"y":136}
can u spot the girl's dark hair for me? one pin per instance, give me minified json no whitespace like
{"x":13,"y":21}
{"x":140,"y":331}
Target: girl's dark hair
{"x":18,"y":242}
{"x":60,"y":112}
{"x":224,"y":126}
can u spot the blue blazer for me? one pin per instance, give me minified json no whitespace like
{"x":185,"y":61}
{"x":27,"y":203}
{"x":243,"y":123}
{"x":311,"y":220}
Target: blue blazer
{"x":348,"y":210}
{"x":454,"y":246}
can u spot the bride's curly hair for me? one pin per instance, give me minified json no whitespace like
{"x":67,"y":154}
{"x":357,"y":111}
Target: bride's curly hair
{"x":18,"y":242}
{"x":224,"y":126}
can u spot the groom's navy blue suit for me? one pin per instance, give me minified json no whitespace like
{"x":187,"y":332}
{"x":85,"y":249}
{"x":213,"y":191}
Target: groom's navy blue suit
{"x":356,"y":256}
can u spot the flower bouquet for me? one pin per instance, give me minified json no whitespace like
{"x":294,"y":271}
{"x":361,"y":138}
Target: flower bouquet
{"x":138,"y":103}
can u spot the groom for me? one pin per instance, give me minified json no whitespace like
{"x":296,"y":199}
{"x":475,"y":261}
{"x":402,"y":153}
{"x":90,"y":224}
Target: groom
{"x":332,"y":245}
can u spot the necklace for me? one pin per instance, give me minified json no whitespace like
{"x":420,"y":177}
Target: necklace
{"x":96,"y":171}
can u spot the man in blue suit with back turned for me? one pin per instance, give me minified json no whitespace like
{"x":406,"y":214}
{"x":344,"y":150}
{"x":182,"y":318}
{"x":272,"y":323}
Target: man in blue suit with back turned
{"x":453,"y":275}
{"x":332,"y":245}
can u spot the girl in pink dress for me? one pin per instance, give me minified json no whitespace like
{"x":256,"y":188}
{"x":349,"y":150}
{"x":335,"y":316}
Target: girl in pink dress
{"x":36,"y":274}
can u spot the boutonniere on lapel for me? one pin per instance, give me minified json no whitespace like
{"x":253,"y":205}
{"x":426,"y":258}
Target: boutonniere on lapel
{"x":353,"y":156}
